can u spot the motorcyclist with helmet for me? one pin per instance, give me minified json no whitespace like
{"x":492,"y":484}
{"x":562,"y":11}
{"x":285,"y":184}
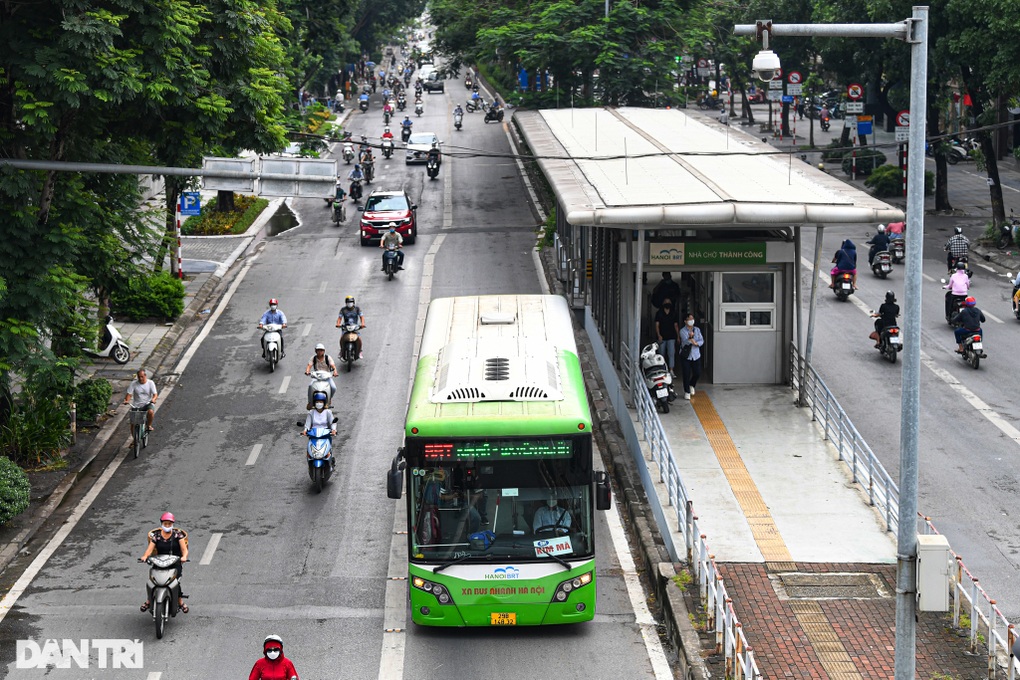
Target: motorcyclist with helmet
{"x":321,"y":361}
{"x":434,"y":155}
{"x":167,"y":540}
{"x":886,"y":316}
{"x":956,"y":247}
{"x":350,"y":313}
{"x":958,"y":287}
{"x":274,"y":315}
{"x":273,"y":665}
{"x":392,"y":239}
{"x":355,"y":175}
{"x":878,"y":243}
{"x":970,"y":319}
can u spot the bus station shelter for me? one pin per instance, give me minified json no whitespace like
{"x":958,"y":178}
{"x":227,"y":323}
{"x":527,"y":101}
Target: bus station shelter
{"x":641,"y":192}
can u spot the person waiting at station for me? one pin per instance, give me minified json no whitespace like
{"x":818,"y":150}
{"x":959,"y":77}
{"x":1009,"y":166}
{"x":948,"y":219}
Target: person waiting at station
{"x":667,"y":288}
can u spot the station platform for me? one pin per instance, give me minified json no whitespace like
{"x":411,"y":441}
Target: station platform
{"x":807,"y":562}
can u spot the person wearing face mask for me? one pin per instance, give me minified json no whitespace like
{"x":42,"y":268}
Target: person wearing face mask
{"x":274,"y":315}
{"x":392,"y":239}
{"x":552,"y":518}
{"x":168,"y":540}
{"x":691,"y":342}
{"x":667,"y":328}
{"x":321,"y":361}
{"x":350,"y":313}
{"x":320,"y":416}
{"x":273,"y":665}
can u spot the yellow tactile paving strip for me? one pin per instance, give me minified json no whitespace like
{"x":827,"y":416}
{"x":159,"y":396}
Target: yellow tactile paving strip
{"x":826,"y":643}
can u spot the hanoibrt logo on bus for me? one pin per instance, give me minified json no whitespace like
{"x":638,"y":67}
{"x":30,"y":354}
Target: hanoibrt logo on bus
{"x":504,"y":573}
{"x":690,"y":254}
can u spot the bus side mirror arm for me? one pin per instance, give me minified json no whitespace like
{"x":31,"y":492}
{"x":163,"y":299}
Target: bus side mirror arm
{"x":603,"y":492}
{"x":395,"y":477}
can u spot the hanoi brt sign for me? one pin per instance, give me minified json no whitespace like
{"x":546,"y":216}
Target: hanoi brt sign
{"x":693,"y":254}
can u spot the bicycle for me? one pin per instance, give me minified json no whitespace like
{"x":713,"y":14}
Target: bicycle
{"x":138,"y":417}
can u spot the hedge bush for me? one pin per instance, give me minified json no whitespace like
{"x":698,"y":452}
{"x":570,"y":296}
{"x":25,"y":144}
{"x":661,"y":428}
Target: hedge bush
{"x":887,"y":180}
{"x":212,"y":222}
{"x":833,"y":151}
{"x":867,"y":161}
{"x":14,"y":490}
{"x":157,"y":295}
{"x":92,"y":398}
{"x":33,"y":435}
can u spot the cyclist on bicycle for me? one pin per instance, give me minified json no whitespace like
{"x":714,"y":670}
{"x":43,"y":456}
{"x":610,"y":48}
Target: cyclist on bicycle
{"x":142,"y":393}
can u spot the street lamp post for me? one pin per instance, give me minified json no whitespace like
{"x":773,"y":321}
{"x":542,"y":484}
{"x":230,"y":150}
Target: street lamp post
{"x":915,"y":32}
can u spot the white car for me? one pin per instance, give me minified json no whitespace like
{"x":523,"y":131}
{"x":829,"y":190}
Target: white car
{"x":418,"y":146}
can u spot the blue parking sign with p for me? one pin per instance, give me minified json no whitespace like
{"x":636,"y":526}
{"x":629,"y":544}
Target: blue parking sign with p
{"x":190,"y":203}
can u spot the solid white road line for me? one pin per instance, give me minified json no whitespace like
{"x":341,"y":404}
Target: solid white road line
{"x":210,"y":549}
{"x":307,"y":330}
{"x":636,"y":593}
{"x":985,"y":266}
{"x":155,"y":675}
{"x":945,"y":376}
{"x":253,"y":456}
{"x":992,"y":317}
{"x":927,"y":278}
{"x":285,"y":384}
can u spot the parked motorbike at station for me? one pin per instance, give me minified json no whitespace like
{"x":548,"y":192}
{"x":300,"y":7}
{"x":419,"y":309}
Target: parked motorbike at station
{"x":658,"y":379}
{"x":271,"y":342}
{"x":458,"y":120}
{"x":111,"y":344}
{"x":319,"y":454}
{"x":881,"y":266}
{"x":163,"y":589}
{"x":390,"y":262}
{"x":1008,"y":231}
{"x":898,"y":248}
{"x":844,"y":286}
{"x":348,"y":152}
{"x":349,"y":344}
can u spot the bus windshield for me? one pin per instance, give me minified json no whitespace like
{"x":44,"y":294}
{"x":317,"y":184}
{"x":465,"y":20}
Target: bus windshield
{"x":485,"y":508}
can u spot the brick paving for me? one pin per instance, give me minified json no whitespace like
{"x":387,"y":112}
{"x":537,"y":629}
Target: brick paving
{"x":865,"y":627}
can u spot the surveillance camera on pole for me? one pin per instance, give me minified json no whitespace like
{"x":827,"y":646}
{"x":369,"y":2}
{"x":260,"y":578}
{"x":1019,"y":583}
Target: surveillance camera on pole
{"x":766,"y":65}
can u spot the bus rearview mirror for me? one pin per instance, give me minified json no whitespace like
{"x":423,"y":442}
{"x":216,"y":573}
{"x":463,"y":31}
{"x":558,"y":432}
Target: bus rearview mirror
{"x":603,"y":494}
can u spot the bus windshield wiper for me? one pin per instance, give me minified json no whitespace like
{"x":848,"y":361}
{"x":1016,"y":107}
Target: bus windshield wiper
{"x":458,"y":561}
{"x":566,"y":565}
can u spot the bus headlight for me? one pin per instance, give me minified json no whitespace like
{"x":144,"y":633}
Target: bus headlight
{"x":439,"y":591}
{"x":564,"y":589}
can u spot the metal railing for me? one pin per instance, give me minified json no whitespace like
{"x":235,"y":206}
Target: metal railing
{"x":867,"y":471}
{"x":720,"y":615}
{"x":986,"y":624}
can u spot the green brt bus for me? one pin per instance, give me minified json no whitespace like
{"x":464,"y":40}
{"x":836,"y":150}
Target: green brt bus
{"x":497,"y":457}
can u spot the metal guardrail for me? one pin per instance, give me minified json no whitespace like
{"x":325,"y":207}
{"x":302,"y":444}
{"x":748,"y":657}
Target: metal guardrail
{"x":721,"y":617}
{"x":867,"y":471}
{"x":986,"y":624}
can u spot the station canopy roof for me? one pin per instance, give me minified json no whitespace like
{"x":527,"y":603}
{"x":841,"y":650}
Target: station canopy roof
{"x":650,"y":168}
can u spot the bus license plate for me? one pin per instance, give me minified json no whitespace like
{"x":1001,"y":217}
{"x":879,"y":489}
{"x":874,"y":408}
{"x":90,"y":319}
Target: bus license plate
{"x":661,"y":392}
{"x":503,"y":619}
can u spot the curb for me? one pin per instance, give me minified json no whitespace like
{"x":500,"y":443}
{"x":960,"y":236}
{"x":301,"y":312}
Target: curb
{"x":160,"y":355}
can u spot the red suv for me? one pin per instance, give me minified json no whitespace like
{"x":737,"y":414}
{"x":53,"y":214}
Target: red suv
{"x":383,"y":207}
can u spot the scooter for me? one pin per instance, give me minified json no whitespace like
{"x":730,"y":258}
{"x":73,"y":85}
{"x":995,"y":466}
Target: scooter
{"x":349,"y":344}
{"x":368,"y":168}
{"x":657,"y":377}
{"x":405,"y":133}
{"x":965,"y":261}
{"x":419,"y":108}
{"x":954,"y":304}
{"x":386,"y":117}
{"x":320,"y":386}
{"x":890,"y":342}
{"x":898,"y":248}
{"x":363,"y":104}
{"x":1015,"y":301}
{"x":163,"y":589}
{"x":401,"y":103}
{"x":844,"y":286}
{"x":356,"y":190}
{"x":387,"y":148}
{"x":271,"y":339}
{"x":458,"y":120}
{"x":468,"y":82}
{"x":432,"y":168}
{"x":390,"y":262}
{"x":494,"y":115}
{"x":825,"y":124}
{"x":348,"y":152}
{"x":111,"y":344}
{"x":973,"y":349}
{"x":319,"y":454}
{"x":473,"y":105}
{"x":882,"y":264}
{"x":339,"y":212}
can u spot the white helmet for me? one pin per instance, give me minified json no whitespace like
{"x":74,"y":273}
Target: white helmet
{"x":881,"y":228}
{"x":319,"y":346}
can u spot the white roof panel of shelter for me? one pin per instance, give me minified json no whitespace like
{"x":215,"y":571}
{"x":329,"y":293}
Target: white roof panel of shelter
{"x":628,"y":166}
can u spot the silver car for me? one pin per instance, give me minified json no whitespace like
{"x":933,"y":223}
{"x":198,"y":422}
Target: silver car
{"x":418,"y":146}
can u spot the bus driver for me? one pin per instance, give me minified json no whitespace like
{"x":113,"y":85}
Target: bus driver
{"x":552,"y":518}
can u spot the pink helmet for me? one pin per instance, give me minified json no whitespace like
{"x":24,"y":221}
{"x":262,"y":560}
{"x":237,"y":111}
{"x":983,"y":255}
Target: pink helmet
{"x":167,"y":516}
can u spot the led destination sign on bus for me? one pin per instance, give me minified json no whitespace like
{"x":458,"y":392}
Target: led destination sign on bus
{"x":498,"y":450}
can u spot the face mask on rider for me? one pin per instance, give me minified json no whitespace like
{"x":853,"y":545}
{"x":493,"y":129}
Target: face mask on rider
{"x":350,"y":305}
{"x":690,"y":322}
{"x":168,"y":527}
{"x":319,"y":406}
{"x":551,"y":502}
{"x":272,"y":654}
{"x":272,"y":308}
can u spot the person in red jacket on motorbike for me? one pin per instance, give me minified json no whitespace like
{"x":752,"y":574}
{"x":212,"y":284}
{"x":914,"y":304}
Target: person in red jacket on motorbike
{"x":273,"y":665}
